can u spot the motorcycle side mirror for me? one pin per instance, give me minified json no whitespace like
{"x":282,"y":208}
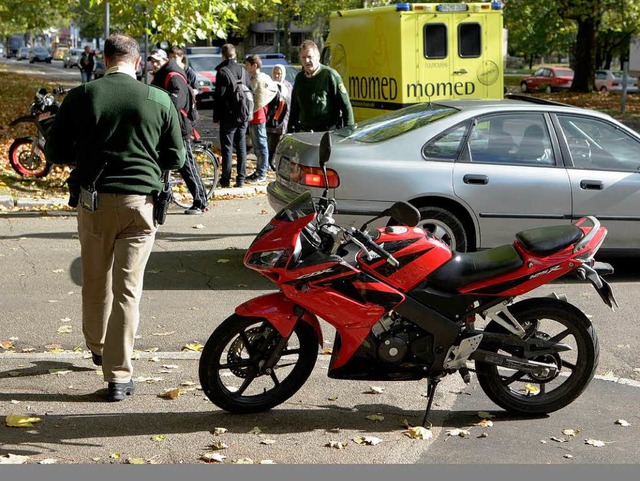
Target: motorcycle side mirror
{"x":325,"y":149}
{"x":404,"y":213}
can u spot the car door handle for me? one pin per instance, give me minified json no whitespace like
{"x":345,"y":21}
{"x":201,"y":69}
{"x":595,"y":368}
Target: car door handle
{"x":591,"y":185}
{"x":475,"y":179}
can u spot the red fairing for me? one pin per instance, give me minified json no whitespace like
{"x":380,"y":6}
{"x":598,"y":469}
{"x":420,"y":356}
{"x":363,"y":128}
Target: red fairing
{"x":419,"y":255}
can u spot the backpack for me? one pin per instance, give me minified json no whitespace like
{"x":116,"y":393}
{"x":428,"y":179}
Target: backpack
{"x":277,"y":109}
{"x":192,"y":112}
{"x":239,"y":99}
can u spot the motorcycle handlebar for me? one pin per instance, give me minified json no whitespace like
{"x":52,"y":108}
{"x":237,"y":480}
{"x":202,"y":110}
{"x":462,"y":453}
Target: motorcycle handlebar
{"x":366,"y":240}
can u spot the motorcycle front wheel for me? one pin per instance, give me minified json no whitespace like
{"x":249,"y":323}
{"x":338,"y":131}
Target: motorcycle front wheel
{"x":246,"y":366}
{"x":522,"y":393}
{"x":25,"y":161}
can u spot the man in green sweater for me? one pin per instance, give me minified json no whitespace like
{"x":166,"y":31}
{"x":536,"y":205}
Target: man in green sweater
{"x":120,"y":134}
{"x":319,"y":101}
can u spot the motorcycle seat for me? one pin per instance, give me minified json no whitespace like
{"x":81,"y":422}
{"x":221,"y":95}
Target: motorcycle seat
{"x":547,"y":240}
{"x":469,"y":267}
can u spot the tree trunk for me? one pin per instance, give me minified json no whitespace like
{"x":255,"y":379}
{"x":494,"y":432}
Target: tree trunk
{"x":585,"y":56}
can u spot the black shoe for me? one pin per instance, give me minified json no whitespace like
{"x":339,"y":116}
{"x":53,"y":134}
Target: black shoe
{"x":223,"y":185}
{"x":251,"y":177}
{"x":117,"y":391}
{"x":239,"y":183}
{"x":96,"y":358}
{"x":194,"y":211}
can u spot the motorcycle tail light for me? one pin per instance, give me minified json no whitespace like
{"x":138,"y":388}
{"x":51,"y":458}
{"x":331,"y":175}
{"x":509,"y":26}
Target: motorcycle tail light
{"x":313,"y":176}
{"x":269,"y":259}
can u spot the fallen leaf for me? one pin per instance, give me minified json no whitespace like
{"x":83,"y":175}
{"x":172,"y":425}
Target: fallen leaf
{"x":334,"y":398}
{"x":243,"y":461}
{"x":570,"y":432}
{"x":115,"y":456}
{"x":367,"y":440}
{"x":195,"y":346}
{"x":222,"y":261}
{"x":622,"y":422}
{"x":57,"y":271}
{"x":255,"y":430}
{"x":135,"y":461}
{"x":13,"y":401}
{"x":483,"y":435}
{"x":326,"y":352}
{"x":213,"y":457}
{"x":65,"y":330}
{"x":485,"y":423}
{"x":568,"y":456}
{"x":219,"y":445}
{"x":168,"y":333}
{"x":268,"y":441}
{"x":375,"y":418}
{"x":13,"y":459}
{"x":218,"y":431}
{"x":594,"y":442}
{"x":198,"y":226}
{"x":559,"y":440}
{"x":48,"y":461}
{"x":531,"y":389}
{"x":170,"y":394}
{"x":267,"y":461}
{"x":154,"y":359}
{"x":59,"y":371}
{"x":485,"y":415}
{"x":336,"y":445}
{"x":170,"y":366}
{"x":463,"y":433}
{"x":14,"y":421}
{"x":187,"y":383}
{"x":375,"y":390}
{"x":419,"y":432}
{"x":148,"y":380}
{"x":159,"y":438}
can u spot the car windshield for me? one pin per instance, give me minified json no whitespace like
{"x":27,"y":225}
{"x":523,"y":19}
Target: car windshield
{"x":388,"y":126}
{"x":200,"y":64}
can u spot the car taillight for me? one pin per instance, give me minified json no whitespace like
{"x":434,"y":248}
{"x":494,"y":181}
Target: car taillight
{"x":313,"y":176}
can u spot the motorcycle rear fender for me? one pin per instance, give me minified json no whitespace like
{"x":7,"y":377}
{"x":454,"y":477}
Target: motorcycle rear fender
{"x":279,"y":311}
{"x":24,"y":118}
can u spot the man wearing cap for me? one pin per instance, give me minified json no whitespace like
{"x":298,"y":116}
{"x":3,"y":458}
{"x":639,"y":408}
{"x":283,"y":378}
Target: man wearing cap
{"x":168,"y":75}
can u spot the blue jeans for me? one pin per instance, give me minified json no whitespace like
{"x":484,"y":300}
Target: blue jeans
{"x":258,"y":134}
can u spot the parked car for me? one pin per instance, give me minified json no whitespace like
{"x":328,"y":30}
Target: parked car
{"x":40,"y":54}
{"x":612,"y":80}
{"x":479,"y":171}
{"x":548,"y":79}
{"x":72,"y":58}
{"x":58,"y":53}
{"x":23,"y":53}
{"x":205,"y":65}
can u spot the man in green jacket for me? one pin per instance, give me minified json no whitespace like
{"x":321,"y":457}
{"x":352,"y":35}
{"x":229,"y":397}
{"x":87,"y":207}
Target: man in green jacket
{"x":120,"y":134}
{"x":319,"y":101}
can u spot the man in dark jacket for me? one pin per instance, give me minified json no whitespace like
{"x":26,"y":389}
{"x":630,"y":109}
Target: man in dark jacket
{"x":168,"y":75}
{"x":232,"y":133}
{"x":121,"y":134}
{"x":87,"y":64}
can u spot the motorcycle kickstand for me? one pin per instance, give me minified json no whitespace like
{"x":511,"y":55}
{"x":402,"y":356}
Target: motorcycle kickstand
{"x":431,"y":390}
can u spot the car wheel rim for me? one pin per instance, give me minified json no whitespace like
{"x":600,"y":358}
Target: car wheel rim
{"x":440,"y":230}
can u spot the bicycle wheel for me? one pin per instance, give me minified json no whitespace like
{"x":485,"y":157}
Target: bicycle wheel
{"x":209,"y":168}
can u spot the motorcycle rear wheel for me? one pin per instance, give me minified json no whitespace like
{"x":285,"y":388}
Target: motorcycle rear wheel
{"x":521,"y":393}
{"x":24,"y":163}
{"x":231,"y":369}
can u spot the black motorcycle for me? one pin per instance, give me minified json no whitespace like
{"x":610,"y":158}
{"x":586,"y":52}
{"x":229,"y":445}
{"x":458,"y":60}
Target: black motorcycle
{"x":26,"y":154}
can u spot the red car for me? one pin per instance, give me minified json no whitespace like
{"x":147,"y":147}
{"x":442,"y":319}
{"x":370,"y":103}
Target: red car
{"x":548,"y":79}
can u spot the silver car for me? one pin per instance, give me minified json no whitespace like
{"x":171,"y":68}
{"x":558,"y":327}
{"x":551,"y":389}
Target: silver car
{"x":478,"y":171}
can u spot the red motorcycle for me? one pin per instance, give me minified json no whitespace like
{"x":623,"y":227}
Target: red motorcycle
{"x":405,"y":307}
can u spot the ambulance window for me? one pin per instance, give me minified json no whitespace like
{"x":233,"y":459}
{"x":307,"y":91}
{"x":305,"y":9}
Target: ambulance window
{"x":446,"y":146}
{"x":435,"y":40}
{"x":469,"y":40}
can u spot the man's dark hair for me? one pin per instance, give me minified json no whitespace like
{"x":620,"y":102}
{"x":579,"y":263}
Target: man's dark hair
{"x":122,"y":47}
{"x":254,"y":59}
{"x":229,"y":50}
{"x":175,"y":50}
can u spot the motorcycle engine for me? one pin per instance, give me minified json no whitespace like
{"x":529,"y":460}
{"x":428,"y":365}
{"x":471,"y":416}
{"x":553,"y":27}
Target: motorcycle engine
{"x":398,"y":340}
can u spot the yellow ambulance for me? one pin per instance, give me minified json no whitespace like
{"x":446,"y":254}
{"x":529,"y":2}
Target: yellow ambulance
{"x":397,"y":55}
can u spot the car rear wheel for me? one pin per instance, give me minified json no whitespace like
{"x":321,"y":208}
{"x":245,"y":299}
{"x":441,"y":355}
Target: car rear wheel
{"x":603,"y":89}
{"x":446,"y":226}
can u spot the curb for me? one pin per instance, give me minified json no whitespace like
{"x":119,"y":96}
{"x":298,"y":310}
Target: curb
{"x":9,"y":202}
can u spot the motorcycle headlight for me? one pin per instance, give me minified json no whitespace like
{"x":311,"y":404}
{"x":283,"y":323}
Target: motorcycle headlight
{"x":269,"y":259}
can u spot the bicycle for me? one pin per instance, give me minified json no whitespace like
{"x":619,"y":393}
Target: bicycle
{"x":209,"y":167}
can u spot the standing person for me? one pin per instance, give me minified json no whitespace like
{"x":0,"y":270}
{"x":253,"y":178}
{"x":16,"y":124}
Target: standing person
{"x":87,"y":64}
{"x":319,"y":101}
{"x":264,"y":89}
{"x":177,"y":54}
{"x":275,"y":132}
{"x":168,"y":75}
{"x":233,"y":131}
{"x":99,"y":129}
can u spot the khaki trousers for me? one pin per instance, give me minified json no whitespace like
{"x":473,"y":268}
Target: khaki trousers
{"x":115,"y":244}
